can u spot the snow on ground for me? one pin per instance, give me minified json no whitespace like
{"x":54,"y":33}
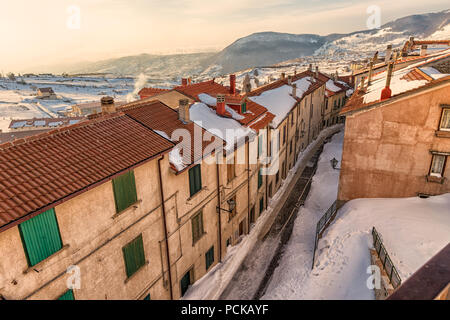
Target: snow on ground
{"x":18,"y":98}
{"x":212,"y":285}
{"x":413,"y":230}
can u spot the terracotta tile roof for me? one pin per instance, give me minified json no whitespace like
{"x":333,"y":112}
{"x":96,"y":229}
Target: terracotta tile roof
{"x":160,"y":117}
{"x":209,"y":87}
{"x":39,"y":172}
{"x":414,"y":75}
{"x":150,"y":92}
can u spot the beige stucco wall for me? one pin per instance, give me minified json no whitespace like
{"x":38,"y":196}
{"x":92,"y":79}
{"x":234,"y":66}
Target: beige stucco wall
{"x":93,"y":238}
{"x":387,"y":149}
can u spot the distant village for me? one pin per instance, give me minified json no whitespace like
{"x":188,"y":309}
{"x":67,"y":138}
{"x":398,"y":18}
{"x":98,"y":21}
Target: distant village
{"x":108,"y":187}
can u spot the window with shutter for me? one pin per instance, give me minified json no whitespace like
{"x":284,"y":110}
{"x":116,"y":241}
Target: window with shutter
{"x":437,"y":166}
{"x":261,"y":205}
{"x":197,"y":227}
{"x":195,"y":180}
{"x":40,"y":237}
{"x":67,"y":296}
{"x":260,"y":179}
{"x":124,"y":191}
{"x":445,"y":121}
{"x":134,"y":256}
{"x":209,"y":258}
{"x":260,"y":145}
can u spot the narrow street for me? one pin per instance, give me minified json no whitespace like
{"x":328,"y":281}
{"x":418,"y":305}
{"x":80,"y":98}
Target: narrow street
{"x":255,"y":273}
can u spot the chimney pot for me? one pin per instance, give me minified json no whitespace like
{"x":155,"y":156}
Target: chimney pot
{"x":108,"y":105}
{"x":283,"y":76}
{"x":387,"y":58}
{"x":183,"y":111}
{"x":220,"y":106}
{"x":423,"y":50}
{"x":233,"y":84}
{"x":294,"y":90}
{"x":289,"y":80}
{"x":317,"y":71}
{"x":310,"y":67}
{"x":184,"y":82}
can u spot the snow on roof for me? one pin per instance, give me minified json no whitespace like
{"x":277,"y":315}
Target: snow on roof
{"x":332,"y":86}
{"x":432,"y":72}
{"x":280,"y":101}
{"x":211,"y":101}
{"x":227,"y":129}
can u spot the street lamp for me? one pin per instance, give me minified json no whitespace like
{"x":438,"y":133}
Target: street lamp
{"x":231,"y":204}
{"x":334,"y":164}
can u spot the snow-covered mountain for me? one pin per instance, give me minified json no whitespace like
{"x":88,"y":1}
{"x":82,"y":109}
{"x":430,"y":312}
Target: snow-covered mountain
{"x":423,"y":26}
{"x":268,"y":48}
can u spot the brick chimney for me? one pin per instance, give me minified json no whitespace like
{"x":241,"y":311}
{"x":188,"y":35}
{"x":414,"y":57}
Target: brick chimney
{"x":283,"y":76}
{"x":233,"y":84}
{"x":387,"y":58}
{"x":220,"y":106}
{"x":184,"y":82}
{"x":423,"y":50}
{"x":363,"y":82}
{"x":289,"y":80}
{"x":386,"y":93}
{"x":108,"y":105}
{"x":310,"y":67}
{"x":183,"y":111}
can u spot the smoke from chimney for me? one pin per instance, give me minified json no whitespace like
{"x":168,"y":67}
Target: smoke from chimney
{"x":139,"y":84}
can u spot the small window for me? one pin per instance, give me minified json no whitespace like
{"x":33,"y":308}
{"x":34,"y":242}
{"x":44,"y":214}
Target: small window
{"x":148,"y":297}
{"x":197,"y":227}
{"x":209,"y":258}
{"x":445,"y":121}
{"x":124,"y":191}
{"x":228,"y":242}
{"x":68,"y":296}
{"x":437,"y":166}
{"x":260,"y":179}
{"x":134,"y":256}
{"x":195,"y":179}
{"x":186,"y":282}
{"x":40,"y":237}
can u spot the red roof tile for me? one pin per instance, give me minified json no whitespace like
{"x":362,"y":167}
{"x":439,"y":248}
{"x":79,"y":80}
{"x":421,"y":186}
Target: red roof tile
{"x":43,"y":170}
{"x":150,"y":92}
{"x":209,"y":87}
{"x":158,"y":116}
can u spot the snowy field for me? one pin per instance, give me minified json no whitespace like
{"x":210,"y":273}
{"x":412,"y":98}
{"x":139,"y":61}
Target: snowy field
{"x":18,"y":98}
{"x":413,"y":230}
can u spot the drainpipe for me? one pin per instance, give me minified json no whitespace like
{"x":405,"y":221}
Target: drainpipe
{"x":165,"y":226}
{"x":287,"y":147}
{"x":296,"y":137}
{"x":248,"y":186}
{"x":266,"y":165}
{"x":219,"y":224}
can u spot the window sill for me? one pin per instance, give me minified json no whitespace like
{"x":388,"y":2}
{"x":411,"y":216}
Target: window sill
{"x":433,"y":179}
{"x":196,"y":194}
{"x":41,"y":265}
{"x":136,"y":273}
{"x":134,"y":206}
{"x":442,"y":134}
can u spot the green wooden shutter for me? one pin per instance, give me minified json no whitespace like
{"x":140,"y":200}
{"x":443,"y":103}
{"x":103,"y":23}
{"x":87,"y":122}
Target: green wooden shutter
{"x":134,"y":256}
{"x":195,"y":179}
{"x":260,"y":179}
{"x":260,"y":145}
{"x":125,"y":191}
{"x":209,"y":258}
{"x":67,"y":296}
{"x":40,"y":237}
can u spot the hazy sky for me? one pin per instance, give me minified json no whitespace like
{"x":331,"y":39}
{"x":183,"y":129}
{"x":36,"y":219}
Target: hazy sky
{"x":46,"y":32}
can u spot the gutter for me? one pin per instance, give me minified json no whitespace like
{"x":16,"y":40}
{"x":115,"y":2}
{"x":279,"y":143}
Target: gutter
{"x":163,"y":207}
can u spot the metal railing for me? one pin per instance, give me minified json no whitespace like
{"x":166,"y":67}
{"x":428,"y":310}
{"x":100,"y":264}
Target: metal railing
{"x":388,"y":266}
{"x":321,"y":226}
